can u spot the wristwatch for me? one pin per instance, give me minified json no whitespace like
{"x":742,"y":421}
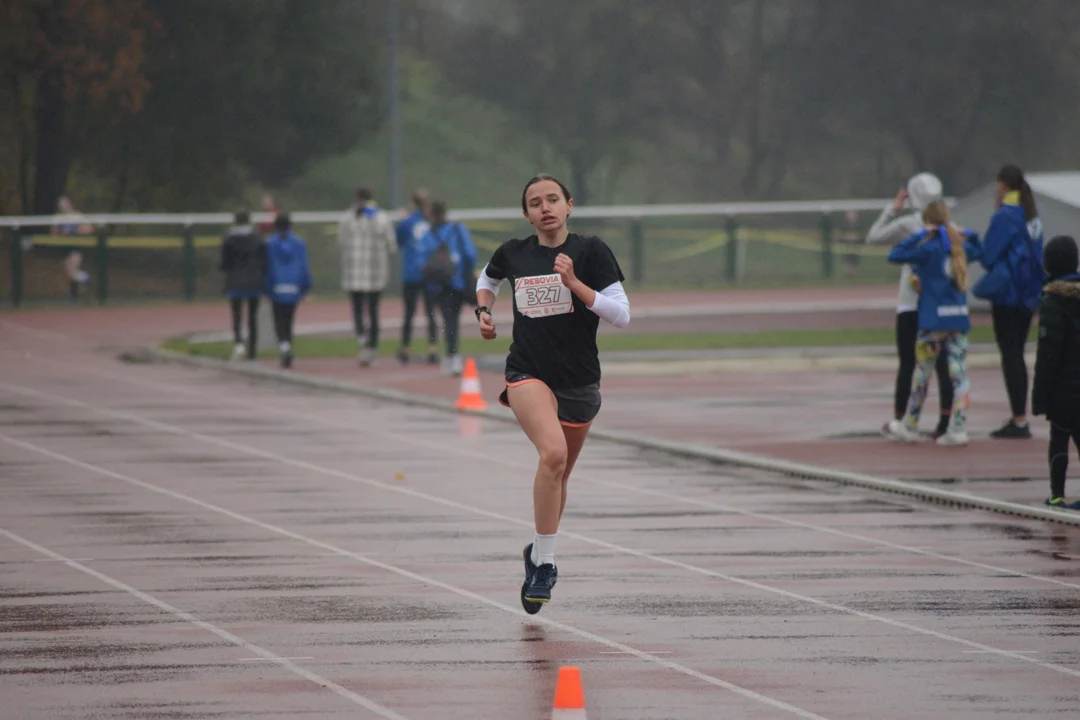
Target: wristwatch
{"x":482,"y":309}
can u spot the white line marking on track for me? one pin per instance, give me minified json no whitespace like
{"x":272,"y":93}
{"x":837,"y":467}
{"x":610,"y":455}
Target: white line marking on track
{"x":51,"y":560}
{"x":208,"y":627}
{"x":489,"y":458}
{"x":1019,"y":652}
{"x":330,"y":472}
{"x":467,"y":594}
{"x":263,"y":659}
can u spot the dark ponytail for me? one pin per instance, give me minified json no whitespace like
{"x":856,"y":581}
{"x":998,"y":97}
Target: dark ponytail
{"x":1012,"y":177}
{"x":1027,"y":201}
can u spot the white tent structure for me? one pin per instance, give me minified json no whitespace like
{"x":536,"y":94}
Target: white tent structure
{"x":1057,"y":196}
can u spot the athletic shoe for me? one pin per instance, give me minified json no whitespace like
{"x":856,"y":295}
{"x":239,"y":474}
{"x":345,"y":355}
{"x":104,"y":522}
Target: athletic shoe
{"x":239,"y":351}
{"x":898,"y":431}
{"x":959,"y":437}
{"x":530,"y":607}
{"x":403,"y":356}
{"x":543,"y":580}
{"x":1056,"y":503}
{"x":286,"y":360}
{"x":1012,"y":431}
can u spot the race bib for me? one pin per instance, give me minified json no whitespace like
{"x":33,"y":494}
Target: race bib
{"x":542,"y":295}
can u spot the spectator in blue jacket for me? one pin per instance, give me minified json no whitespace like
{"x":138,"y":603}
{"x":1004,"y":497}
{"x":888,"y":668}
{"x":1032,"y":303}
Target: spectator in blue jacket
{"x":448,"y":261}
{"x":1014,"y":242}
{"x":288,"y":280}
{"x":410,"y":236}
{"x":939,"y":256}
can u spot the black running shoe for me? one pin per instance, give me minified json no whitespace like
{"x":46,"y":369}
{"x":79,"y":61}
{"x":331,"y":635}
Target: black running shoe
{"x":530,"y":607}
{"x":1012,"y":431}
{"x":286,"y":360}
{"x":543,"y":579}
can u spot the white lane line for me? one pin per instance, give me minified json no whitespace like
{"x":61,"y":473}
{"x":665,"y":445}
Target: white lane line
{"x":495,"y":458}
{"x":651,"y":652}
{"x":265,"y":655}
{"x":983,"y":652}
{"x":262,"y":659}
{"x":51,"y":560}
{"x":416,"y":577}
{"x":357,"y":479}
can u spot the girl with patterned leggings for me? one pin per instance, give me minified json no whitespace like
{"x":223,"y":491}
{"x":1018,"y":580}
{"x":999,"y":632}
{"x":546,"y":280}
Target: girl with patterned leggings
{"x":939,"y":255}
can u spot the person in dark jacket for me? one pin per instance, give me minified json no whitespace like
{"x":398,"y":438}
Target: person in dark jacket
{"x":1056,"y":388}
{"x":288,"y":280}
{"x":1013,"y":246}
{"x":243,"y":260}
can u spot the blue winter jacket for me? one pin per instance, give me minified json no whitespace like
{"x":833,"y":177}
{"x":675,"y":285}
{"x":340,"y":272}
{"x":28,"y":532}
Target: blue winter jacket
{"x":1019,"y":244}
{"x":942,"y":305}
{"x":462,"y":253}
{"x":288,"y":276}
{"x":410,"y":238}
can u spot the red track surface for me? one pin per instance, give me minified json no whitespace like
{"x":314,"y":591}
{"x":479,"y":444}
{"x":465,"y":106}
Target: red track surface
{"x":187,"y":544}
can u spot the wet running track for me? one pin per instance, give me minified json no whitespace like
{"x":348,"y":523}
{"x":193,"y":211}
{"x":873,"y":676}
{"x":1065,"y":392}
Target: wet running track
{"x":180,"y":543}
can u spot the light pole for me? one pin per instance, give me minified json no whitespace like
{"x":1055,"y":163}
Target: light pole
{"x":396,"y":189}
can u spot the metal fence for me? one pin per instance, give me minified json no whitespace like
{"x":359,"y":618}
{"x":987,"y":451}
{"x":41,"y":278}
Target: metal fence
{"x":174,"y":257}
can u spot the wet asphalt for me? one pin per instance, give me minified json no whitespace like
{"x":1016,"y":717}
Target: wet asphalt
{"x":185,"y":544}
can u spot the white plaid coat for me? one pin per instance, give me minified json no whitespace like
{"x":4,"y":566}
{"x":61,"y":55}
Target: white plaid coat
{"x":366,"y":244}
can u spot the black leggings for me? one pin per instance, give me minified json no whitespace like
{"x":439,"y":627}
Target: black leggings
{"x":372,"y":299}
{"x":907,"y":330}
{"x":412,"y":292}
{"x":237,"y":306}
{"x":451,"y":301}
{"x":1059,"y":453}
{"x":283,"y":321}
{"x":1011,"y":327}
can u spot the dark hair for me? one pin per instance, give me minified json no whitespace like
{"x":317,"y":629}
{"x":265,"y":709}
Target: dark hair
{"x":241,"y":217}
{"x":282,"y":222}
{"x":1060,"y":257}
{"x":1012,"y":178}
{"x":364,"y":194}
{"x":438,"y":212}
{"x":540,"y":178}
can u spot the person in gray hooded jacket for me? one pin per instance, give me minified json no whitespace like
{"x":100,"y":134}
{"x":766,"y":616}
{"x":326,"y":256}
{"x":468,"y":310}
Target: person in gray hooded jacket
{"x":899,"y":221}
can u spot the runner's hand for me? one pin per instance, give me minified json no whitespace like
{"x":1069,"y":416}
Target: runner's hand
{"x":487,"y":326}
{"x":565,"y":267}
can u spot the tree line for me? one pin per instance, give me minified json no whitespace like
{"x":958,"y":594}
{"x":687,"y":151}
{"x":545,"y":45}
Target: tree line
{"x":156,"y":104}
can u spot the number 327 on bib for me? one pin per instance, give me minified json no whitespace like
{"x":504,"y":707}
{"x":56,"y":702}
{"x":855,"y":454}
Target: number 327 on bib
{"x":542,"y":296}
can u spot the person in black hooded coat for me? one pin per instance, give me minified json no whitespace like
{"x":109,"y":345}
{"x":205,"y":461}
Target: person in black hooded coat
{"x":1056,"y":389}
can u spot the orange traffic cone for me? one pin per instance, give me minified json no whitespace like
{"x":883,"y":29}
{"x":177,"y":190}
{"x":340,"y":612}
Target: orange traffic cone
{"x":470,"y":398}
{"x":569,"y":696}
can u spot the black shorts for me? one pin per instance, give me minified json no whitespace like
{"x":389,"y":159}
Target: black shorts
{"x":577,"y":406}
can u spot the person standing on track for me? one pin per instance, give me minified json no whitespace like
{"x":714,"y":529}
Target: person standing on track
{"x":288,"y":280}
{"x":1012,"y":256}
{"x":243,"y":260}
{"x":1056,"y":388}
{"x":563,"y":284}
{"x":897,"y":222}
{"x":939,"y":255}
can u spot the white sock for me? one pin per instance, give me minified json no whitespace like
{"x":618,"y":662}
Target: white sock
{"x":543,"y":551}
{"x":286,"y":347}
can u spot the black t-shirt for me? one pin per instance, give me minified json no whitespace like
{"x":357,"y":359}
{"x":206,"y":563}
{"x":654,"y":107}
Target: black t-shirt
{"x":554,"y":332}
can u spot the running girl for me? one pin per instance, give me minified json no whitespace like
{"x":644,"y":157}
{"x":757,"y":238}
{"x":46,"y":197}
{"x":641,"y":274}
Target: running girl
{"x":564,"y":283}
{"x":939,"y":256}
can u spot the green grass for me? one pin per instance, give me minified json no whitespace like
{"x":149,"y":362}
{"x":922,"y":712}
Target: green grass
{"x":335,"y":347}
